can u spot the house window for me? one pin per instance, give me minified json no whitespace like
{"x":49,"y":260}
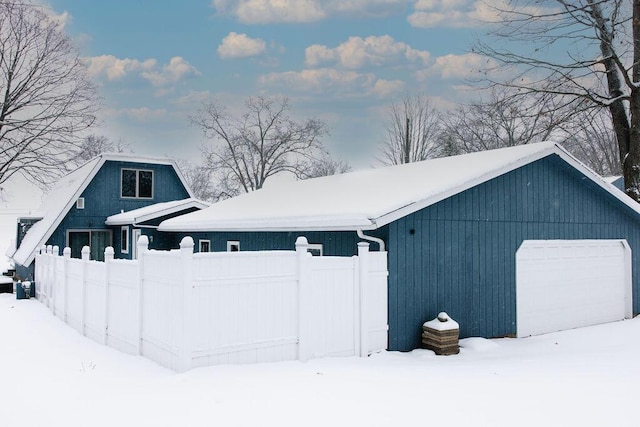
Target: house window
{"x":233,"y":246}
{"x":205,"y":245}
{"x":124,"y":239}
{"x":80,"y":203}
{"x":97,"y":240}
{"x":315,"y":249}
{"x":137,"y":183}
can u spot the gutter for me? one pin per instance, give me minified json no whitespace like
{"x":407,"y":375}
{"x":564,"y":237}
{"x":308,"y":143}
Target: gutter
{"x":380,"y":242}
{"x":136,"y":225}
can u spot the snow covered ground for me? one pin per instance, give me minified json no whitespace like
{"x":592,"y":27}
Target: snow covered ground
{"x":50,"y":375}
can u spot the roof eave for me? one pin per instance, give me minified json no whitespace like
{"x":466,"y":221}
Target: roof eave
{"x":370,"y":225}
{"x":396,"y":214}
{"x":158,"y":214}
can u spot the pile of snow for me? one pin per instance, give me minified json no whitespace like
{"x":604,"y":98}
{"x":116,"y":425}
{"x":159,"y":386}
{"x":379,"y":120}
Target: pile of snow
{"x":51,"y":375}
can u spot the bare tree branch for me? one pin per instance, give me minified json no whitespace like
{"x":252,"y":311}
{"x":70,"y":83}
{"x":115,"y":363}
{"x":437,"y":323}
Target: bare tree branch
{"x":245,"y":151}
{"x":46,"y":98}
{"x":413,"y":127}
{"x":587,"y":50}
{"x":504,"y":121}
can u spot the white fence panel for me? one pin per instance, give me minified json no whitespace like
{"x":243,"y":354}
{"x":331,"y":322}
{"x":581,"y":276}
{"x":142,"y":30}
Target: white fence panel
{"x":75,"y":294}
{"x":94,"y":303}
{"x":377,"y":302}
{"x":59,"y":294}
{"x":122,"y":306}
{"x":330,"y":307}
{"x":162,"y":311}
{"x":184,"y":310}
{"x":245,"y":307}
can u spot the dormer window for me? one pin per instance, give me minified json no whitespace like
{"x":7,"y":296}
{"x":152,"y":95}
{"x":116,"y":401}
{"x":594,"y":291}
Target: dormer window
{"x":137,"y":183}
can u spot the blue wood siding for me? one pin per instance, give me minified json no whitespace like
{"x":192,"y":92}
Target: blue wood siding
{"x":335,"y":243}
{"x":458,"y":255}
{"x":102,"y":199}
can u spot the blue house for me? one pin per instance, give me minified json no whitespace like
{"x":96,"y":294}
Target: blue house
{"x":134,"y":193}
{"x":515,"y":241}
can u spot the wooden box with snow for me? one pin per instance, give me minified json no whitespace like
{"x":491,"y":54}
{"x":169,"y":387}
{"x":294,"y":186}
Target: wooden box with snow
{"x":441,"y":335}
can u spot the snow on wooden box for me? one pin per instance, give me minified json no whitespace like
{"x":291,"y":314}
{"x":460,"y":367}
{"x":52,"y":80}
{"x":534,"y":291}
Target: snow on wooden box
{"x":441,"y":335}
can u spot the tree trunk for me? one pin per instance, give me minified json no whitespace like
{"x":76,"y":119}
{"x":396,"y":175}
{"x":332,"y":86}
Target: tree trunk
{"x":631,"y":164}
{"x":626,"y":125}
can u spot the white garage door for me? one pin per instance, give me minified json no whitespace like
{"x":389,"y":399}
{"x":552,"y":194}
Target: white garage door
{"x":564,"y":284}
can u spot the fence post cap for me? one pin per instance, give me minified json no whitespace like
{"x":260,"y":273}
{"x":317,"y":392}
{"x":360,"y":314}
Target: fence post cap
{"x":109,"y":251}
{"x":187,"y":243}
{"x":66,"y":252}
{"x":301,"y":240}
{"x":143,"y":240}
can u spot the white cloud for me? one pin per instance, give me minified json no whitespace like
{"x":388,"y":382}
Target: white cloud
{"x":446,"y":13}
{"x":176,"y":70}
{"x":357,"y":52}
{"x":317,"y":54}
{"x":458,"y":66}
{"x":61,"y":19}
{"x":237,"y":45}
{"x":114,"y":68}
{"x":326,"y":80}
{"x":143,"y":114}
{"x":387,"y":88}
{"x":300,"y":11}
{"x":467,"y":13}
{"x":271,"y":11}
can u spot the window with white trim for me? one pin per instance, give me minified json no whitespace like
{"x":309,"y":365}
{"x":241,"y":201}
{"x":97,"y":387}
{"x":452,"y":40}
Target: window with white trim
{"x":124,"y":239}
{"x":136,"y":183}
{"x":233,"y":246}
{"x":80,"y":203}
{"x":204,"y":245}
{"x":315,"y":249}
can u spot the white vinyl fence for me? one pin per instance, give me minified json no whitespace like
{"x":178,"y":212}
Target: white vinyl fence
{"x":185,"y":310}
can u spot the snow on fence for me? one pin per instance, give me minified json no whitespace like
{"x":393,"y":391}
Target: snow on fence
{"x":185,"y":310}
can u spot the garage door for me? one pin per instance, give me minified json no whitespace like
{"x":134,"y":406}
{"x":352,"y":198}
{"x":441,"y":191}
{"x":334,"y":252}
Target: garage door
{"x":564,"y":284}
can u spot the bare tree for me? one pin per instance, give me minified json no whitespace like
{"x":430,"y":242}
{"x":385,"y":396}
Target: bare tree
{"x":245,"y":151}
{"x":587,"y":50}
{"x":502,"y":121}
{"x":46,"y":98}
{"x":94,"y":145}
{"x":199,"y":179}
{"x":413,"y":127}
{"x":592,"y":140}
{"x":325,"y":166}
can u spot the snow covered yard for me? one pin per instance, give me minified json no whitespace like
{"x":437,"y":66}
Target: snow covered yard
{"x":51,"y":375}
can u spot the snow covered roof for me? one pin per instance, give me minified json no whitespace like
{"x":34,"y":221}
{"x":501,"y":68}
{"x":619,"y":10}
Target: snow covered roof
{"x":64,"y":194}
{"x":371,"y":198}
{"x":154,"y":211}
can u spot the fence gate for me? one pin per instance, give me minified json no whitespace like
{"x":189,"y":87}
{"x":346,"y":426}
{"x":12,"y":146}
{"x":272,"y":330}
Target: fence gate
{"x":331,"y":306}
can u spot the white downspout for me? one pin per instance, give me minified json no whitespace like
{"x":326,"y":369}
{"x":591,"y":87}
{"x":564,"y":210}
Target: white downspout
{"x":377,"y":240}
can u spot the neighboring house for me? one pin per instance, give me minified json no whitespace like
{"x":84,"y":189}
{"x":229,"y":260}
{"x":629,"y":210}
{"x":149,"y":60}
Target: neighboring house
{"x":132,"y":224}
{"x":478,"y":236}
{"x":132,"y":191}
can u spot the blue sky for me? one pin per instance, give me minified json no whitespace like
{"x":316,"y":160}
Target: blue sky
{"x":344,"y":61}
